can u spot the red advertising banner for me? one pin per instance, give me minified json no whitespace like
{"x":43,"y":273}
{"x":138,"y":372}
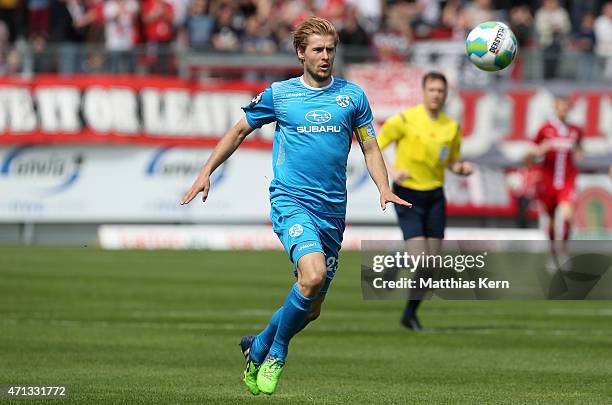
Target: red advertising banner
{"x":121,"y":110}
{"x":170,"y":111}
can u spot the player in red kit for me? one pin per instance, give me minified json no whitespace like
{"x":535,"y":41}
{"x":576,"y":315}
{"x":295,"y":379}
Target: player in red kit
{"x":557,"y":148}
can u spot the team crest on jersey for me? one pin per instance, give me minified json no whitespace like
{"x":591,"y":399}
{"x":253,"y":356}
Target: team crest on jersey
{"x":443,"y":153}
{"x":296,"y":230}
{"x":343,"y":101}
{"x":256,"y":99}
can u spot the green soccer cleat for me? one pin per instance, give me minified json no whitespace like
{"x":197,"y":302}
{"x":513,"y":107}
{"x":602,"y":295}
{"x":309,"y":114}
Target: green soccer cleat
{"x":269,"y":374}
{"x":250,"y":377}
{"x":251,"y":370}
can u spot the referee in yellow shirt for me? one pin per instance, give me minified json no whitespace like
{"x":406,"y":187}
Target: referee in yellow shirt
{"x":427,"y":142}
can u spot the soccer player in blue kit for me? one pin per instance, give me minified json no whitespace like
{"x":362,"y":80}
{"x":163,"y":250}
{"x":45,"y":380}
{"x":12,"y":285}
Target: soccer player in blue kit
{"x":316,"y":115}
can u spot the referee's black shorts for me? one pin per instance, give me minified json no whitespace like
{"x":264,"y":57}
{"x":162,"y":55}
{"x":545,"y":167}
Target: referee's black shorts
{"x":426,"y":218}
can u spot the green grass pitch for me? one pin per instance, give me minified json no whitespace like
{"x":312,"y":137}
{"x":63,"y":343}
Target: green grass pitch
{"x":139,"y":327}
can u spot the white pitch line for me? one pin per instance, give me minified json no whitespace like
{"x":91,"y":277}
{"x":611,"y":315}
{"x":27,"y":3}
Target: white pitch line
{"x":319,"y":328}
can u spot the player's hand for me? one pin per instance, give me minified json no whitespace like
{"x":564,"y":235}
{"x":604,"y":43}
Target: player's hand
{"x":202,"y":183}
{"x":387,"y":196}
{"x":399,"y":176}
{"x":544,"y":147}
{"x":465,"y":169}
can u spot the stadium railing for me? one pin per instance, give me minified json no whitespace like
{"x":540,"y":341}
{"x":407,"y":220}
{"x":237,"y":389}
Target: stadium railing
{"x":531,"y":65}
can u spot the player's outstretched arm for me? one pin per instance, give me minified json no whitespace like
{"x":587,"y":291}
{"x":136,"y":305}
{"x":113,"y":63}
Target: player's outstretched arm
{"x":224,"y":149}
{"x":378,"y":173}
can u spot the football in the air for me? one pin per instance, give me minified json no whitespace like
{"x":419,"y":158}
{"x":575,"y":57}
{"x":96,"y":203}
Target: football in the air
{"x":491,"y":46}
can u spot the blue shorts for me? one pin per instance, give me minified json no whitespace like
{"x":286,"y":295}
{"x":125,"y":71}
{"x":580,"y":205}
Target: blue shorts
{"x":302,"y":231}
{"x":426,"y":218}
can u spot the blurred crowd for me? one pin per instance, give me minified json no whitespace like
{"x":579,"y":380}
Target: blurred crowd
{"x":74,"y":36}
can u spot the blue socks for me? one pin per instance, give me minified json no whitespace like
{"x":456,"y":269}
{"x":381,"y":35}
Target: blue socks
{"x":292,"y":320}
{"x":262,"y":342}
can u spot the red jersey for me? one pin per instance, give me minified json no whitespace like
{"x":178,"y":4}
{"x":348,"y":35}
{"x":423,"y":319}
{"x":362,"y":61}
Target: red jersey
{"x":159,"y":30}
{"x":558,"y":169}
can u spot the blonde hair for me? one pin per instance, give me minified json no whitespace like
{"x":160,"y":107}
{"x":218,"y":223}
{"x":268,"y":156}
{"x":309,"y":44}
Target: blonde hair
{"x":313,"y":26}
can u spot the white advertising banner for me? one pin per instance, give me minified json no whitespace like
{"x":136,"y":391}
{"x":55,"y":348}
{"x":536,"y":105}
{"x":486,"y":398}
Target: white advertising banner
{"x":144,"y":184}
{"x":46,"y":183}
{"x":128,"y":184}
{"x":261,"y":237}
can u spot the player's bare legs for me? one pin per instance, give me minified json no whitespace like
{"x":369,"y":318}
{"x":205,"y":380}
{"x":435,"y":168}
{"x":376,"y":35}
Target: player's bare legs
{"x":311,"y":273}
{"x":559,"y":243}
{"x":566,"y":212}
{"x":547,"y":222}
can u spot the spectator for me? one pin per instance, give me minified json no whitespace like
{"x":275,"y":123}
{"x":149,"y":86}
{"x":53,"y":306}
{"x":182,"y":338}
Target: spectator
{"x":399,"y":17}
{"x":257,"y":38}
{"x":67,"y":34}
{"x":181,"y":11}
{"x":282,"y":35}
{"x":521,"y":23}
{"x":578,"y":9}
{"x":9,"y":14}
{"x":247,"y":8}
{"x":120,"y":29}
{"x":264,"y":9}
{"x":430,"y":12}
{"x":332,"y":10}
{"x":426,"y":18}
{"x":585,"y":44}
{"x":4,"y":45}
{"x":41,"y":57}
{"x":78,"y":12}
{"x":408,"y":20}
{"x":352,"y":33}
{"x":14,"y":62}
{"x":603,"y":39}
{"x":293,"y":12}
{"x":158,"y":21}
{"x":197,"y":31}
{"x":94,"y":20}
{"x":369,"y":13}
{"x":94,"y":63}
{"x":454,"y":18}
{"x":226,"y":37}
{"x":391,"y":46}
{"x":38,"y":17}
{"x":476,"y":12}
{"x":552,"y":25}
{"x":354,"y":38}
{"x":245,"y":25}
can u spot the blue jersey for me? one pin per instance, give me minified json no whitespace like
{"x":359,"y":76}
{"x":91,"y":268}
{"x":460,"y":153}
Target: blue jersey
{"x":314,"y":128}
